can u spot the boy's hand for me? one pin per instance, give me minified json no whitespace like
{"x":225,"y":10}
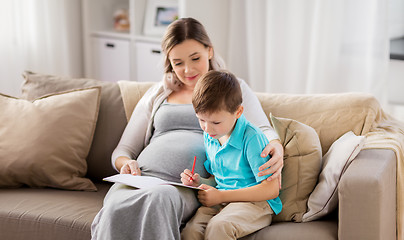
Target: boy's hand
{"x":191,"y":180}
{"x":210,"y":196}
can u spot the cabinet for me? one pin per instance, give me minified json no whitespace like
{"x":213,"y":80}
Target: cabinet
{"x":110,"y":58}
{"x":149,"y":61}
{"x":135,"y":56}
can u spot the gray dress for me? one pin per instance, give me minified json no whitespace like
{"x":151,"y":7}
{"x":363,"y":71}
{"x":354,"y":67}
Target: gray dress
{"x":159,"y":212}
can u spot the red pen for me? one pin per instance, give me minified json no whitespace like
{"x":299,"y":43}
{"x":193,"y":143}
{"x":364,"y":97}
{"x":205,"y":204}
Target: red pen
{"x":193,"y":167}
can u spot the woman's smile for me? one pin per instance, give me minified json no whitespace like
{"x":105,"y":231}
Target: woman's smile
{"x":191,"y":78}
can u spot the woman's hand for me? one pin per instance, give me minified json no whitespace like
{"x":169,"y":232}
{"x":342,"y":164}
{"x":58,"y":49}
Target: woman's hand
{"x":210,"y":196}
{"x":190,"y":179}
{"x":131,"y":167}
{"x":275,"y":164}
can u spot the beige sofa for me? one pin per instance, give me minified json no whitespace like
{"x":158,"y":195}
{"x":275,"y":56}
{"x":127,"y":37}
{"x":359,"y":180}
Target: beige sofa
{"x":366,"y":190}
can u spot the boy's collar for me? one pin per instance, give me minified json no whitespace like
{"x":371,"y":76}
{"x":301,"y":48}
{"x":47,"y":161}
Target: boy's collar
{"x":236,"y":137}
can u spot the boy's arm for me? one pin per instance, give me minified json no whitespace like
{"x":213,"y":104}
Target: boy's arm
{"x":266,"y":190}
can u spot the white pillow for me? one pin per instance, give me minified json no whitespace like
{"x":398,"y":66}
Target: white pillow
{"x":324,"y":198}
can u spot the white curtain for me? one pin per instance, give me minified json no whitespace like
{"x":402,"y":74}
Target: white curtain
{"x":311,"y":46}
{"x":39,"y":35}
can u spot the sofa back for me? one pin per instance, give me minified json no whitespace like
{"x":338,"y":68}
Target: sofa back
{"x":331,"y":115}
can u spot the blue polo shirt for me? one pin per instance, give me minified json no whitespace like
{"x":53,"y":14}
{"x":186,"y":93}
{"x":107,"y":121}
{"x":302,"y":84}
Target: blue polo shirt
{"x":235,"y":164}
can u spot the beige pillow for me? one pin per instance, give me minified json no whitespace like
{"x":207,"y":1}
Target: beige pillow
{"x":44,"y":143}
{"x":324,"y":198}
{"x":111,"y":119}
{"x":302,"y":164}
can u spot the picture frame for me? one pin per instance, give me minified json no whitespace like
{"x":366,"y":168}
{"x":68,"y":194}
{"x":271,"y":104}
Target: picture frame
{"x":159,"y":14}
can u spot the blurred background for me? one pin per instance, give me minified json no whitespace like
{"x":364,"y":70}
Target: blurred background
{"x":277,"y":46}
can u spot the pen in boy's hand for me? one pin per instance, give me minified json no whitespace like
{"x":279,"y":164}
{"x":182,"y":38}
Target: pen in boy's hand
{"x":193,"y":168}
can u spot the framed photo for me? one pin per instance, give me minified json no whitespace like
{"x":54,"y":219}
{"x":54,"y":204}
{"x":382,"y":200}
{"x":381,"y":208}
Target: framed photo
{"x":159,"y":14}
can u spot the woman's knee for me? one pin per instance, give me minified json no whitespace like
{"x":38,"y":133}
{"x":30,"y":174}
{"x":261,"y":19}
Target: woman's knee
{"x":163,"y":194}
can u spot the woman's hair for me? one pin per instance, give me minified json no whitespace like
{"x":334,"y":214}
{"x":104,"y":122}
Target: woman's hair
{"x":216,"y":91}
{"x":176,"y":33}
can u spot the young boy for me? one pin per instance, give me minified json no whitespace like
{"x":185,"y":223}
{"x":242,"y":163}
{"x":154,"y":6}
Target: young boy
{"x":239,"y":204}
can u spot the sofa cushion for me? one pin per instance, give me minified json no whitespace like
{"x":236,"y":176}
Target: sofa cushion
{"x":324,"y":198}
{"x":302,"y":164}
{"x":34,"y":214}
{"x":44,"y":143}
{"x":326,"y":229}
{"x":111,"y":120}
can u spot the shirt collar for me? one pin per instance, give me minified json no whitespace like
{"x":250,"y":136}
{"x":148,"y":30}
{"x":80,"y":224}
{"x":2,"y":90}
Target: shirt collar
{"x":236,"y":137}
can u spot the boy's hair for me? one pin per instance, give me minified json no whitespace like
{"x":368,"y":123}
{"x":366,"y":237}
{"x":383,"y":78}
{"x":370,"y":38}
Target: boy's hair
{"x":215,"y":91}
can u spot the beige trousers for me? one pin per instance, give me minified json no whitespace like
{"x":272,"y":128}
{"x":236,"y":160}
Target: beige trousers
{"x":230,"y":221}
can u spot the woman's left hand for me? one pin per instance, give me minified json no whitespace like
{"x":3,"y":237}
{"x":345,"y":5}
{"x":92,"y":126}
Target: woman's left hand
{"x":275,"y":164}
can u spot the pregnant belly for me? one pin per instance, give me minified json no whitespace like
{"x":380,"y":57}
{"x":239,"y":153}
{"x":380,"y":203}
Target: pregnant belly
{"x":169,"y":154}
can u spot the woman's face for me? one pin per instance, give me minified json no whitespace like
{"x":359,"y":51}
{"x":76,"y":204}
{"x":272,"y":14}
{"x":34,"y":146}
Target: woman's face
{"x":190,"y":60}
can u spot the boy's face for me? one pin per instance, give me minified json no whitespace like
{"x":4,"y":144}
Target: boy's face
{"x":220,"y":124}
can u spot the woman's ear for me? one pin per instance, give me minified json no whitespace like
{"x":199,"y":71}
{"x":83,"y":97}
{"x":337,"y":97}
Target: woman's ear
{"x":239,"y":111}
{"x":210,"y":52}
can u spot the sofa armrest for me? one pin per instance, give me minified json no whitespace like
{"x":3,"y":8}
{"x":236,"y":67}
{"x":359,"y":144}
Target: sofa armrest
{"x":367,"y":197}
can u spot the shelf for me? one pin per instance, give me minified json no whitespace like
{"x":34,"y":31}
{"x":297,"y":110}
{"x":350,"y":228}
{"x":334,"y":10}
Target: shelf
{"x":148,"y":39}
{"x":126,"y":36}
{"x":112,"y":34}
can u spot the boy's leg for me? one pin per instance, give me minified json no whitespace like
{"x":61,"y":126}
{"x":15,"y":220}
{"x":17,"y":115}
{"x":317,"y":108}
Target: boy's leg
{"x":239,"y":219}
{"x":195,"y":227}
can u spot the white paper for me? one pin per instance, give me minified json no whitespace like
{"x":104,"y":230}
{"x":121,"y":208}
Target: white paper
{"x":142,"y":181}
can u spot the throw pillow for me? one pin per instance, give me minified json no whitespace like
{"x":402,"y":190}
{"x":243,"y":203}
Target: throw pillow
{"x":302,"y":164}
{"x":111,"y":119}
{"x":324,"y":198}
{"x":44,"y":143}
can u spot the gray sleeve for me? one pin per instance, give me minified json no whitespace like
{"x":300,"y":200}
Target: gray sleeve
{"x":254,"y":113}
{"x":132,"y":141}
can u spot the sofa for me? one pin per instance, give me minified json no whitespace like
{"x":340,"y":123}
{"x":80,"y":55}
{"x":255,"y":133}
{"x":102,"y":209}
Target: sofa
{"x":58,"y":199}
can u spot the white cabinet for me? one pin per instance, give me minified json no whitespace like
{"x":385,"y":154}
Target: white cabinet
{"x":135,"y":56}
{"x":149,"y":62}
{"x":111,"y":58}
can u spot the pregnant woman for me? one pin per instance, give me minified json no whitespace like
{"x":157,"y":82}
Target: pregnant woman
{"x":162,"y":138}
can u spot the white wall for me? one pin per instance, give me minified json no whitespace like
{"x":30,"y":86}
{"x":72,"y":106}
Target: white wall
{"x":396,"y":18}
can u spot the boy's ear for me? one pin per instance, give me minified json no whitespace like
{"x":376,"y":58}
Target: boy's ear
{"x":239,"y":111}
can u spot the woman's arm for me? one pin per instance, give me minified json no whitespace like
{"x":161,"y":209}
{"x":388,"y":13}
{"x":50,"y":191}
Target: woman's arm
{"x":255,"y":114}
{"x":132,"y":141}
{"x":266,"y":190}
{"x":275,"y":164}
